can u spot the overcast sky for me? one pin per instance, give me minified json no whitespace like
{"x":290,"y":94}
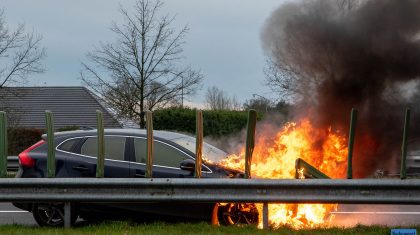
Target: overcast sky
{"x":223,"y":41}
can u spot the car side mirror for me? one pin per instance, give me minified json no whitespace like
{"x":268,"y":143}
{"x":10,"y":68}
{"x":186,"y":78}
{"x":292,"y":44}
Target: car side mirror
{"x":187,"y":164}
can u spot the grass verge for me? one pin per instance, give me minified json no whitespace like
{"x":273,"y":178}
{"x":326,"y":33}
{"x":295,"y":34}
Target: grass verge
{"x":183,"y":229}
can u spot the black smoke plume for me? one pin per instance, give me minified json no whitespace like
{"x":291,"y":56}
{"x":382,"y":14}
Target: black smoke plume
{"x":328,"y":56}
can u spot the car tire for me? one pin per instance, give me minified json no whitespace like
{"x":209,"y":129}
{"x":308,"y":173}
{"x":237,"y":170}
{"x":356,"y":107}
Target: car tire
{"x":238,"y":214}
{"x":51,"y":214}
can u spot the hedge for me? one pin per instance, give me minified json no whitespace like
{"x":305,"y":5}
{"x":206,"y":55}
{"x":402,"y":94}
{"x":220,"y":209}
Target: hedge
{"x":20,"y":139}
{"x":215,"y":123}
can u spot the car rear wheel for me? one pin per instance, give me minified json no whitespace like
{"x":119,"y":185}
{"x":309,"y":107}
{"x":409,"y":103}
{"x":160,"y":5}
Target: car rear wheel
{"x":238,"y":213}
{"x":51,"y":214}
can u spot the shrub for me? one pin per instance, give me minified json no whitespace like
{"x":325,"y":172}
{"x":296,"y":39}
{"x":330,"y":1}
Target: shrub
{"x":20,"y":139}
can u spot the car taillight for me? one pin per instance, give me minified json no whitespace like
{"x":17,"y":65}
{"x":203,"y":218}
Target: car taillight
{"x":24,"y":159}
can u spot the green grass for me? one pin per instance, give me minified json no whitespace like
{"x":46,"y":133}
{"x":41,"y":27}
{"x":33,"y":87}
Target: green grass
{"x":175,"y":229}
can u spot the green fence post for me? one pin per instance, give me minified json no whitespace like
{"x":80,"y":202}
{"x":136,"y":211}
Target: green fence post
{"x":3,"y":144}
{"x":353,"y":120}
{"x":403,"y":173}
{"x":198,"y":143}
{"x":50,"y":144}
{"x":150,"y":147}
{"x":250,"y":141}
{"x":101,"y":145}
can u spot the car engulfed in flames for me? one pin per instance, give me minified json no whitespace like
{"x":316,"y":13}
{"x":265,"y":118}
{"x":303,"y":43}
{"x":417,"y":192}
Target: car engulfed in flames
{"x":275,"y":157}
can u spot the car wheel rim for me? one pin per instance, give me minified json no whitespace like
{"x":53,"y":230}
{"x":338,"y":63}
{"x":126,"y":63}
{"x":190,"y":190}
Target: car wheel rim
{"x":51,"y":214}
{"x":240,"y":213}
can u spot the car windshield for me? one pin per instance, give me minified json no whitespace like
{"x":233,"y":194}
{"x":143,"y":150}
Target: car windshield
{"x":210,"y":152}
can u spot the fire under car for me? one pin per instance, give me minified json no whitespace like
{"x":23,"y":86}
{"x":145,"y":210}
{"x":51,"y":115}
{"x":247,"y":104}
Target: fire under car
{"x":125,"y":157}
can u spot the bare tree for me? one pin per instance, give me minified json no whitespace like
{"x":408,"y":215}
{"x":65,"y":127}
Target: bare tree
{"x":217,"y":99}
{"x":20,"y":56}
{"x":141,"y":70}
{"x":20,"y":53}
{"x":259,"y":103}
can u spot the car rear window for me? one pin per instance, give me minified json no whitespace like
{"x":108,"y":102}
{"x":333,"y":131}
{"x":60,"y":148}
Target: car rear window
{"x":68,"y":145}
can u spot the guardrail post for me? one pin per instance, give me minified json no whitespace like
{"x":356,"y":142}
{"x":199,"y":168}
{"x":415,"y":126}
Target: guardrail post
{"x":149,"y":127}
{"x":353,"y":120}
{"x":403,"y":173}
{"x":67,"y":214}
{"x":265,"y":215}
{"x":3,"y":144}
{"x":198,"y":143}
{"x":250,"y":141}
{"x":50,"y":144}
{"x":101,"y":145}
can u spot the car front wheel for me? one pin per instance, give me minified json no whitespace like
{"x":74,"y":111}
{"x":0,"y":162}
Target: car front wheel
{"x":51,"y":214}
{"x":237,"y":214}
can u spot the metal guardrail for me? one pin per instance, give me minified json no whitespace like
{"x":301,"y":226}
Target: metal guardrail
{"x":12,"y":163}
{"x":366,"y":191}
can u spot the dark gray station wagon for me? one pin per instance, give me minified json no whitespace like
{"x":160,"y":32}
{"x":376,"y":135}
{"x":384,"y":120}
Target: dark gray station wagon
{"x":125,"y":157}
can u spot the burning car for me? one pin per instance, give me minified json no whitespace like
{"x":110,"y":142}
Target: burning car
{"x":125,"y":156}
{"x":276,"y":152}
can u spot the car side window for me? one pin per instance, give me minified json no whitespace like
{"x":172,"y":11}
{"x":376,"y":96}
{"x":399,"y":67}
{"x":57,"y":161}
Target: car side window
{"x":114,"y":147}
{"x":164,"y":155}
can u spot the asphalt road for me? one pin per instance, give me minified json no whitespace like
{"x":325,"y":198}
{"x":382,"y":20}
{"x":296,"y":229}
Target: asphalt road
{"x":12,"y":215}
{"x":347,"y":215}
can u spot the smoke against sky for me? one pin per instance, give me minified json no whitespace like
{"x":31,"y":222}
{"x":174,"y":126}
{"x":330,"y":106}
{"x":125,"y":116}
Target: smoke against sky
{"x":337,"y":54}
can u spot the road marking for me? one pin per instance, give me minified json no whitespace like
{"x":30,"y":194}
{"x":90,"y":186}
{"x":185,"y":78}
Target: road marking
{"x":14,"y":211}
{"x":378,"y":212}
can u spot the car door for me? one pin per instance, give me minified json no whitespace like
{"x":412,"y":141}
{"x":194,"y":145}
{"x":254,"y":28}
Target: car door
{"x":166,"y":164}
{"x":166,"y":159}
{"x":83,"y":162}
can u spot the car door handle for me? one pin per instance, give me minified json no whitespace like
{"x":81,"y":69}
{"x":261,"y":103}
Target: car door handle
{"x":80,"y":168}
{"x":140,"y":175}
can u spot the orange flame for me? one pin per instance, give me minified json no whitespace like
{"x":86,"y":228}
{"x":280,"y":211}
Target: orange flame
{"x":301,"y":174}
{"x":275,"y":158}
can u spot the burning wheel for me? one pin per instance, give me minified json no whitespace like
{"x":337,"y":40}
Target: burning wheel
{"x":238,"y":213}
